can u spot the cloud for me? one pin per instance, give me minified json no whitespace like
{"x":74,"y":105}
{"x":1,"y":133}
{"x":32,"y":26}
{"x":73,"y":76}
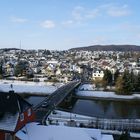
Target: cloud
{"x":18,"y":19}
{"x":49,"y":24}
{"x":81,"y":13}
{"x":118,"y":11}
{"x":92,"y":14}
{"x":67,"y":22}
{"x":78,"y":13}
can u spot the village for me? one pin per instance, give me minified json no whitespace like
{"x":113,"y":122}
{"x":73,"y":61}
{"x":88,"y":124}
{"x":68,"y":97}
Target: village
{"x":64,"y":66}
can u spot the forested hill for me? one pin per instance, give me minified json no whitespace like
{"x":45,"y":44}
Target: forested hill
{"x":108,"y":48}
{"x":8,"y":49}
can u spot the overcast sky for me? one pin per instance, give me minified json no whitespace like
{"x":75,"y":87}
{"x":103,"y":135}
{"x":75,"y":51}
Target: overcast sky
{"x":64,"y":24}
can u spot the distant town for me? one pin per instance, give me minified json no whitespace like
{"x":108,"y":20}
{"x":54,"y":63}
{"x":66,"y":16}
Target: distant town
{"x":107,"y":70}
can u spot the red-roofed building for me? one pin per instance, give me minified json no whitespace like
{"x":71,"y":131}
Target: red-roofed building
{"x":15,"y":113}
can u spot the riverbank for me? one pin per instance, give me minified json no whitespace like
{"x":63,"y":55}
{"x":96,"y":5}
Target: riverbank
{"x":28,"y":88}
{"x":105,"y":95}
{"x":87,"y":91}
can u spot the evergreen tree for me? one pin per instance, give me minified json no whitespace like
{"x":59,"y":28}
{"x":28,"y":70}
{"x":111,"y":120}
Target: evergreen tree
{"x":133,"y":81}
{"x":1,"y":71}
{"x":127,"y":84}
{"x":137,"y":83}
{"x":18,"y":70}
{"x":124,"y":83}
{"x":21,"y":67}
{"x":107,"y":79}
{"x":119,"y":84}
{"x":116,"y":75}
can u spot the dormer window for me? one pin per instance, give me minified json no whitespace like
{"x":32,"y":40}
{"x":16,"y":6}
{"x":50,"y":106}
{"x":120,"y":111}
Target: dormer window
{"x":29,"y":112}
{"x":22,"y":117}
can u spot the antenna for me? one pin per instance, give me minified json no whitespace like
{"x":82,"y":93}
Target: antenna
{"x":20,"y":45}
{"x":19,"y":55}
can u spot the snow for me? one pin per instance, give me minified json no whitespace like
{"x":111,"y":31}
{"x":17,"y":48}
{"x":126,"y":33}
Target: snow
{"x":107,"y":137}
{"x":116,"y":132}
{"x":86,"y":87}
{"x":63,"y":118}
{"x":27,"y":87}
{"x":64,"y":114}
{"x":135,"y":135}
{"x":102,"y":94}
{"x":34,"y":131}
{"x":107,"y":95}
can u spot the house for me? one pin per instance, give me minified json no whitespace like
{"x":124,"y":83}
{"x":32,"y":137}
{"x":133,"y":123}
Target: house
{"x":98,"y":74}
{"x":15,"y":113}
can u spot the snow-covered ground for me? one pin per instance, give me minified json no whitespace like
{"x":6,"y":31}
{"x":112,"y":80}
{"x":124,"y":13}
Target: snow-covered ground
{"x":27,"y":87}
{"x":33,"y":131}
{"x":86,"y":87}
{"x":87,"y":92}
{"x":132,"y":134}
{"x":62,"y":117}
{"x":107,"y":95}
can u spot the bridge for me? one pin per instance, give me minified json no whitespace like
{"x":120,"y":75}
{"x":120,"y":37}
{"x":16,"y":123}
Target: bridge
{"x":49,"y":103}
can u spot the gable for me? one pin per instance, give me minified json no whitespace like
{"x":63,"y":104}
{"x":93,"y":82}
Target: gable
{"x":11,"y":106}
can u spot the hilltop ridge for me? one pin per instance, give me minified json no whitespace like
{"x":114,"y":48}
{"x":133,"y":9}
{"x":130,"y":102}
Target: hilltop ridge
{"x":108,"y":48}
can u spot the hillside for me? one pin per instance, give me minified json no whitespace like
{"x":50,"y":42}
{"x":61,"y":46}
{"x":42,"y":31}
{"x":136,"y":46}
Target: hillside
{"x":8,"y":49}
{"x":108,"y":48}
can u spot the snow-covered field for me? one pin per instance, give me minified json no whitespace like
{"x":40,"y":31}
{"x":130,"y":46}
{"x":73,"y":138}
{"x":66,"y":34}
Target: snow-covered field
{"x":88,"y":93}
{"x":27,"y":87}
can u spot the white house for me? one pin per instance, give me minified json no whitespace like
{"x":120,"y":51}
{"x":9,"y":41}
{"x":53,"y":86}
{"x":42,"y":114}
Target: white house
{"x":97,"y":74}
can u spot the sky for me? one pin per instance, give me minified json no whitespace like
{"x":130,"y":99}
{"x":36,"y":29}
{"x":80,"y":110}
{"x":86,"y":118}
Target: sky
{"x":65,"y":24}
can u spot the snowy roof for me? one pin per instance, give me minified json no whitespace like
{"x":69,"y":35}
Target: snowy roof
{"x":8,"y":122}
{"x":11,"y":105}
{"x":34,"y":131}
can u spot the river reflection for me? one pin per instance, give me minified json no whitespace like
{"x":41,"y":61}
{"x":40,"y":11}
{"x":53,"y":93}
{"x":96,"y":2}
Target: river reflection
{"x":108,"y":109}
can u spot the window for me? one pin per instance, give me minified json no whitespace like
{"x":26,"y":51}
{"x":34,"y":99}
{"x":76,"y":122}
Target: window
{"x":8,"y":136}
{"x":29,"y":112}
{"x":22,"y":117}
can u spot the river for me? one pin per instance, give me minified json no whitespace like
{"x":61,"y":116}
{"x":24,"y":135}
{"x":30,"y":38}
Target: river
{"x":101,"y":108}
{"x":108,"y":109}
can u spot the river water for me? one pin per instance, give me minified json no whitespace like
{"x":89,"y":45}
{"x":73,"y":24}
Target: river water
{"x":108,"y":109}
{"x":100,"y":108}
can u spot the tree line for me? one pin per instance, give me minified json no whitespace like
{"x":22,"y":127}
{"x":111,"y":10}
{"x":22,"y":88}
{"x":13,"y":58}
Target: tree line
{"x":125,"y":83}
